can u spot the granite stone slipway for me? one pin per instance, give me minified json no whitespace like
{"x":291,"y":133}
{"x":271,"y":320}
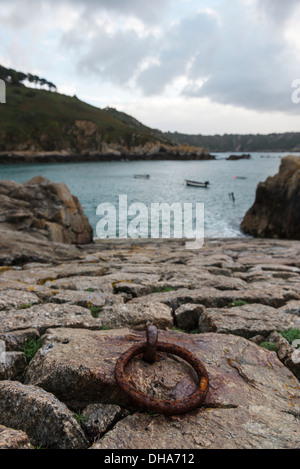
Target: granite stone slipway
{"x":90,"y":310}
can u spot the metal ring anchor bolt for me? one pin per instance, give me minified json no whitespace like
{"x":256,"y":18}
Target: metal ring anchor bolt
{"x":149,"y":349}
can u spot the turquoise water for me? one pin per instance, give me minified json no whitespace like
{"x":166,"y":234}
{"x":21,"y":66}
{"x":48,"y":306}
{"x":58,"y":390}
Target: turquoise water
{"x":95,"y":183}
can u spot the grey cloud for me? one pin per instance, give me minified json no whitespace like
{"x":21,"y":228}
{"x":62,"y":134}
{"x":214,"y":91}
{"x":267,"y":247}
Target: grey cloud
{"x":250,"y":67}
{"x":243,"y":63}
{"x":148,"y":12}
{"x":183,"y":43}
{"x":278,"y":10}
{"x":248,"y":91}
{"x":117,"y":57}
{"x":19,"y":14}
{"x":114,"y":58}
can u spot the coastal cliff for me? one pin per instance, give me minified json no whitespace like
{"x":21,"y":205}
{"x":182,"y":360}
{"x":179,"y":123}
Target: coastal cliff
{"x":275,"y":212}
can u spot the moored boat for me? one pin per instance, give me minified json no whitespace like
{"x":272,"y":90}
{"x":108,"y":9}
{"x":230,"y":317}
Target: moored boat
{"x":196,"y":183}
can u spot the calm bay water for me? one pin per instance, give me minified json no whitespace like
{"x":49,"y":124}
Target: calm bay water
{"x":95,"y":183}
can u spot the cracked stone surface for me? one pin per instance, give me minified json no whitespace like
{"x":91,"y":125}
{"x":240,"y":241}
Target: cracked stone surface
{"x":87,"y":312}
{"x":251,"y":427}
{"x":17,"y":299}
{"x":79,"y":365}
{"x":247,"y":320}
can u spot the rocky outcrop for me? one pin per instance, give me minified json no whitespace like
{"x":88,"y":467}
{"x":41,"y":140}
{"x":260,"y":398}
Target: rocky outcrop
{"x":72,"y":320}
{"x":45,"y":210}
{"x":150,"y":151}
{"x":275,"y":212}
{"x":40,"y":221}
{"x":245,"y":156}
{"x":18,"y":248}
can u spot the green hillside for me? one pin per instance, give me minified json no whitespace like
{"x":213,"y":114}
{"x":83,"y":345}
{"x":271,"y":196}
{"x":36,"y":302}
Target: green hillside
{"x":41,"y":120}
{"x":36,"y":119}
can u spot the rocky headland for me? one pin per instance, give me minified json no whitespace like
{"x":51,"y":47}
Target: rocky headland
{"x":244,"y":156}
{"x":68,"y":311}
{"x":108,"y":152}
{"x":276,"y":209}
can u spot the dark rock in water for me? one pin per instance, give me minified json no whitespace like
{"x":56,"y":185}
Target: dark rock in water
{"x":239,"y":157}
{"x":275,"y":212}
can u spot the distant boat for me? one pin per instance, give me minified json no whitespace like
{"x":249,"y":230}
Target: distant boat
{"x":141,"y":176}
{"x":196,"y":183}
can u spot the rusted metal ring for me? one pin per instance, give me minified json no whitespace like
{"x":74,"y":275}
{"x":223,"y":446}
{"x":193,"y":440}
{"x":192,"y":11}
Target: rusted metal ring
{"x":166,"y":407}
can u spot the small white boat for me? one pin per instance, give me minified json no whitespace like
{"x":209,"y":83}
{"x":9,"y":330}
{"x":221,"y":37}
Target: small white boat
{"x":141,"y":176}
{"x":196,"y":183}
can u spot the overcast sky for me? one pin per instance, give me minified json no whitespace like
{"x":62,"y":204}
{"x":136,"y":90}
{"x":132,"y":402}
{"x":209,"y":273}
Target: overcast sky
{"x":206,"y":66}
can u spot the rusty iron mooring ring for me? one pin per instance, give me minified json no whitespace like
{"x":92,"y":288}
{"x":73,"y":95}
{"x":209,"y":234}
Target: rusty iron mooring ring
{"x":163,"y":406}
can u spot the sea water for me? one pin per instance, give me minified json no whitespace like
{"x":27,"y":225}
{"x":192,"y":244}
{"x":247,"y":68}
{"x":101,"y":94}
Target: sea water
{"x":97,"y":182}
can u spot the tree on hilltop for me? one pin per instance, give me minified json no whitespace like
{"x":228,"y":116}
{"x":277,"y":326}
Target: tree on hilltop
{"x":51,"y":86}
{"x":16,"y":78}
